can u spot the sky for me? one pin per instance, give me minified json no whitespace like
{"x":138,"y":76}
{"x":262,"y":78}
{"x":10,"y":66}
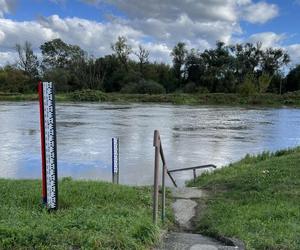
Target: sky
{"x":155,"y":24}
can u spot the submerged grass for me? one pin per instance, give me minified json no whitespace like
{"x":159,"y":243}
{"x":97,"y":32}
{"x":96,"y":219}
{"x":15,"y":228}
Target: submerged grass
{"x":91,"y":215}
{"x":256,"y":200}
{"x":289,"y":99}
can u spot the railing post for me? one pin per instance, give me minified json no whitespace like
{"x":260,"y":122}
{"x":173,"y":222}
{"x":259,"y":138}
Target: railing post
{"x":156,"y":144}
{"x":163,"y":197}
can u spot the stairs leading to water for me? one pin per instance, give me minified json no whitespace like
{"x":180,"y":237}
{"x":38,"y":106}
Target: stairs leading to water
{"x":186,"y":202}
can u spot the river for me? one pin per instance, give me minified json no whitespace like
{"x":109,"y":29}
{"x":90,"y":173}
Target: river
{"x":191,"y":136}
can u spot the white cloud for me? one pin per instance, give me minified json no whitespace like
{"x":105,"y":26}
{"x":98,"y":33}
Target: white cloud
{"x":197,"y":23}
{"x":7,"y":57}
{"x":271,"y":39}
{"x":259,"y":12}
{"x":94,"y":37}
{"x":294,"y":52}
{"x":268,"y":39}
{"x":6,"y":6}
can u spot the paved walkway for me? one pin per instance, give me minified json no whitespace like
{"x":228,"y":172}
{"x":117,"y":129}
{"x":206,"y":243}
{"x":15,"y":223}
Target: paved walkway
{"x":184,"y":206}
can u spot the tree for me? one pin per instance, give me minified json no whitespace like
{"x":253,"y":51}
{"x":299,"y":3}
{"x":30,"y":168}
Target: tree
{"x":179,"y":53}
{"x":273,"y":59}
{"x":247,"y":59}
{"x":247,"y":88}
{"x":143,"y":57}
{"x":122,"y":50}
{"x":27,"y":59}
{"x":58,"y":54}
{"x":15,"y":80}
{"x":218,"y":69}
{"x":195,"y":67}
{"x":264,"y":82}
{"x":293,"y":79}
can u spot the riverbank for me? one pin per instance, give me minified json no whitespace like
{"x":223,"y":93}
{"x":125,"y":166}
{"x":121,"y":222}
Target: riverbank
{"x":91,"y":215}
{"x":255,"y":200}
{"x":288,"y":99}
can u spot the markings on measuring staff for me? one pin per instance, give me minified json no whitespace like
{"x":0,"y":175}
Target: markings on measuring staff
{"x":115,"y":159}
{"x":50,"y":151}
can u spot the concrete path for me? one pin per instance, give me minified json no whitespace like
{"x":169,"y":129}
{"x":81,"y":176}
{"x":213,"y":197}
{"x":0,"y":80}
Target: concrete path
{"x":187,"y":241}
{"x":184,"y":206}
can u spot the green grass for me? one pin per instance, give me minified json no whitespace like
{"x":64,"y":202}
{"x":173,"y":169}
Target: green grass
{"x":91,"y":215}
{"x":256,"y":200}
{"x":288,"y":99}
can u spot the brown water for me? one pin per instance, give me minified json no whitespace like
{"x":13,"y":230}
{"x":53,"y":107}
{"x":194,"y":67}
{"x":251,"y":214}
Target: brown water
{"x":191,"y":135}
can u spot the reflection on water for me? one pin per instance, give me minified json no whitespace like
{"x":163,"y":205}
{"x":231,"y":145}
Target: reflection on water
{"x":190,"y":135}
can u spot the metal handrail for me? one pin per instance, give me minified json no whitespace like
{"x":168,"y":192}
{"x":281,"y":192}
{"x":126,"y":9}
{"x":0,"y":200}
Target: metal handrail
{"x":192,"y":168}
{"x":159,"y":153}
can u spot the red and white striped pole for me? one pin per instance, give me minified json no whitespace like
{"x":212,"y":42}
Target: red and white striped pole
{"x":48,"y":144}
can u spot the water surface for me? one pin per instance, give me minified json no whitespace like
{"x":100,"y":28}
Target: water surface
{"x":191,"y":135}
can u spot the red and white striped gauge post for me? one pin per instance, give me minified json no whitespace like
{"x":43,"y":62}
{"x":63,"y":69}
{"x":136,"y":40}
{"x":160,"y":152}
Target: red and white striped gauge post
{"x":115,"y":160}
{"x":48,"y":144}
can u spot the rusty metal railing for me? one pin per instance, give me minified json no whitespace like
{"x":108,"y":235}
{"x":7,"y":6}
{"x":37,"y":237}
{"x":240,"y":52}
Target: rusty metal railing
{"x":159,"y":153}
{"x":192,"y":168}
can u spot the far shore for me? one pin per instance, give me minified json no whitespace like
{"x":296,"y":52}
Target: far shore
{"x":288,"y":99}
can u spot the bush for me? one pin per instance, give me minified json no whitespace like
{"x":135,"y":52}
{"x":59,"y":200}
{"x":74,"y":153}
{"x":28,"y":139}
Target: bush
{"x":264,"y":82}
{"x":190,"y":87}
{"x":144,"y":87}
{"x":88,"y":95}
{"x":247,"y":88}
{"x":16,"y":81}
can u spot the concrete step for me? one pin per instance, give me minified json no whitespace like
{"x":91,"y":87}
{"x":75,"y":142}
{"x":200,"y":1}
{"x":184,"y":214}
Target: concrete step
{"x":186,"y":241}
{"x":184,"y":211}
{"x":188,"y":193}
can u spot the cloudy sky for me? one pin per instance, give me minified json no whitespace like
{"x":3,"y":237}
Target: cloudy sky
{"x":156,"y":24}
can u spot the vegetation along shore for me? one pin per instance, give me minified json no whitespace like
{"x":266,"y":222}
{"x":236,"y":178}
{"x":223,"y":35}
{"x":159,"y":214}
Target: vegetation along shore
{"x":237,"y":71}
{"x":267,"y":99}
{"x":255,"y":200}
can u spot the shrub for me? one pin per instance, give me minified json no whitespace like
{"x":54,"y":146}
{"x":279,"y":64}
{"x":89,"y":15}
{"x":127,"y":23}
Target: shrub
{"x":247,"y":88}
{"x":190,"y":87}
{"x":264,"y":82}
{"x":143,"y":87}
{"x":88,"y":95}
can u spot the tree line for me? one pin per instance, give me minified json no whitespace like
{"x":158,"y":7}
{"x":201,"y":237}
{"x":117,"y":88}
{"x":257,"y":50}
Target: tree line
{"x":241,"y":68}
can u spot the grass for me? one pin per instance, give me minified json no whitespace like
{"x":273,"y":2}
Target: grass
{"x":256,"y":200}
{"x":288,"y":99}
{"x":91,"y":215}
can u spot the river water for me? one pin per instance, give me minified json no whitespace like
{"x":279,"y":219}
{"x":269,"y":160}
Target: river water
{"x":191,"y":136}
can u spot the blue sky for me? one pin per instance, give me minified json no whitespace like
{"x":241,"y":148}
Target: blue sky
{"x":155,"y":24}
{"x":285,"y":22}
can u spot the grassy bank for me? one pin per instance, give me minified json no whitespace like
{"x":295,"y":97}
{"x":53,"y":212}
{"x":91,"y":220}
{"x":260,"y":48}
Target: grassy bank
{"x":256,"y":200}
{"x":92,"y":215}
{"x":290,"y":99}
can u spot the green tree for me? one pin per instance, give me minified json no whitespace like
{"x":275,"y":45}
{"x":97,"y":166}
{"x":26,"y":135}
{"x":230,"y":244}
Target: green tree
{"x":27,"y":59}
{"x":264,"y":82}
{"x":274,"y":59}
{"x":218,"y":69}
{"x":293,"y":79}
{"x":122,"y":51}
{"x":58,"y":54}
{"x":143,"y":57}
{"x":247,"y":59}
{"x":15,"y":80}
{"x":179,"y":53}
{"x":248,"y":88}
